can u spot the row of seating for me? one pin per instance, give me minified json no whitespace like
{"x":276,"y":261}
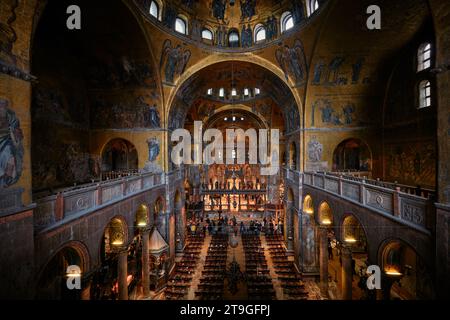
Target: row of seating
{"x":259,"y":284}
{"x":287,"y":274}
{"x":211,"y":285}
{"x":180,"y":281}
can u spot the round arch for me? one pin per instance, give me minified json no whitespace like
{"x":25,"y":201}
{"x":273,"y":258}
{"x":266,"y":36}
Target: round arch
{"x":352,"y":154}
{"x":115,"y":235}
{"x":142,"y":215}
{"x":119,"y":154}
{"x":353,"y":233}
{"x":405,"y":272}
{"x":308,"y":205}
{"x":213,"y":59}
{"x":51,"y":283}
{"x":325,"y":214}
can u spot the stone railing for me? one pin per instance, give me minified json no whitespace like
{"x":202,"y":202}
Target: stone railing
{"x":360,"y":176}
{"x":76,"y":201}
{"x":293,"y":176}
{"x":409,"y":209}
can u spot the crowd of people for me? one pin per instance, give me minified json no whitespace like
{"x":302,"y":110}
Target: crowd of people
{"x":225,"y":225}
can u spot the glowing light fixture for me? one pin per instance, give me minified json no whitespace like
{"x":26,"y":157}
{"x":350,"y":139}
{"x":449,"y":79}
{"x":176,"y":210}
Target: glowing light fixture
{"x":326,"y":221}
{"x":350,"y":240}
{"x":393,"y":272}
{"x":117,"y":243}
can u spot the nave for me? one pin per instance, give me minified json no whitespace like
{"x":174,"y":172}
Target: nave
{"x":248,"y":264}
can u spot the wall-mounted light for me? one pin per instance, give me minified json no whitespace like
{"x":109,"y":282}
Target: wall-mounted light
{"x":117,"y":243}
{"x":350,"y":240}
{"x":326,"y":222}
{"x":393,"y":272}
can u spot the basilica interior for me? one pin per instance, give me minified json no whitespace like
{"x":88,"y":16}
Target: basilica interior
{"x":92,"y":93}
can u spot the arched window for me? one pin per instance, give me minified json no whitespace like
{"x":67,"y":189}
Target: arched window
{"x":221,"y":92}
{"x":207,"y":34}
{"x":233,"y":92}
{"x":246,"y":92}
{"x":181,"y":25}
{"x":209,"y":92}
{"x":352,"y":155}
{"x":424,"y":94}
{"x":424,"y":57}
{"x":313,"y":6}
{"x":287,"y":21}
{"x":233,"y":39}
{"x":260,"y":33}
{"x":257,"y":91}
{"x":154,"y":9}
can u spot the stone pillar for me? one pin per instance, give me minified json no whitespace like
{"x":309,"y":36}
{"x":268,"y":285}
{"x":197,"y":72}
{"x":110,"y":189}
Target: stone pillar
{"x":290,"y":228}
{"x":122,"y":262}
{"x":347,"y":273}
{"x":440,"y":11}
{"x":323,"y":251}
{"x":86,"y":291}
{"x":145,"y":264}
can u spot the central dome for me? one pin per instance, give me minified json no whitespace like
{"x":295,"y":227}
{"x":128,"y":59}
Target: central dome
{"x":229,"y":23}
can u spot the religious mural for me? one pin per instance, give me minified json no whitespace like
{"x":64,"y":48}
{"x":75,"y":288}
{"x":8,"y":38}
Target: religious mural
{"x":50,"y":104}
{"x":125,"y":114}
{"x":11,"y":146}
{"x":68,"y":163}
{"x":248,"y":9}
{"x":271,"y":28}
{"x":293,"y":62}
{"x":332,"y":113}
{"x":218,"y":9}
{"x":121,"y":74}
{"x":339,"y":71}
{"x":189,"y":3}
{"x":173,"y":61}
{"x":412,"y":163}
{"x":246,"y":36}
{"x":8,"y":35}
{"x":291,"y":118}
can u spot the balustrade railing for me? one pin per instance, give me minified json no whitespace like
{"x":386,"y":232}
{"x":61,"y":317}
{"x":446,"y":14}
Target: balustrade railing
{"x":388,"y":198}
{"x":68,"y":202}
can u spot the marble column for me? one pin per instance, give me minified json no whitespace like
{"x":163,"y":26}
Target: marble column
{"x":123,"y":274}
{"x":86,"y":291}
{"x":347,"y":273}
{"x":323,"y":250}
{"x":145,"y":264}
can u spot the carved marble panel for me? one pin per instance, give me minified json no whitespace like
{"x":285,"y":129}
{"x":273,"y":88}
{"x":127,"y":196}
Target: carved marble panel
{"x":319,"y":182}
{"x":350,"y":190}
{"x":133,"y":186}
{"x":413,"y":211}
{"x":379,"y":200}
{"x":78,"y":202}
{"x":148,"y":182}
{"x":44,"y":214}
{"x":308,"y":179}
{"x":111,"y":193}
{"x":332,"y":185}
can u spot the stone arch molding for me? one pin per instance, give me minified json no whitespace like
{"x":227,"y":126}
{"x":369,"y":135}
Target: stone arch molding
{"x":214,"y":59}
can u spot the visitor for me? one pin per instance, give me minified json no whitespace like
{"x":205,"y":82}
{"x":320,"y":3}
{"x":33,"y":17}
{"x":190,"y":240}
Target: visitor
{"x":330,"y":250}
{"x":210,"y":228}
{"x":242,"y":227}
